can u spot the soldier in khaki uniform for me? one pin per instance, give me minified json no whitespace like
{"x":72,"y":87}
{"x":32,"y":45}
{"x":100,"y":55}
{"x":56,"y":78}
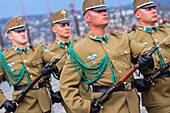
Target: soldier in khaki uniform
{"x":61,"y":28}
{"x":156,"y":98}
{"x":99,"y":60}
{"x":21,"y":64}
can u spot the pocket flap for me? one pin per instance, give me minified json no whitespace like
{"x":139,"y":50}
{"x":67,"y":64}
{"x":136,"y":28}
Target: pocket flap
{"x":124,"y":50}
{"x":37,"y":61}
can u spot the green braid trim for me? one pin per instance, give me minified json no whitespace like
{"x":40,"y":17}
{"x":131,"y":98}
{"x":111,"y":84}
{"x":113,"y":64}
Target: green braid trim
{"x":100,"y":67}
{"x":160,"y":57}
{"x":84,"y":88}
{"x":17,"y":76}
{"x":113,"y":73}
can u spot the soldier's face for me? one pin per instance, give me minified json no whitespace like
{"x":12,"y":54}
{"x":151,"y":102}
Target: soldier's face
{"x":97,"y":18}
{"x":147,"y":16}
{"x":18,"y":37}
{"x":62,"y":30}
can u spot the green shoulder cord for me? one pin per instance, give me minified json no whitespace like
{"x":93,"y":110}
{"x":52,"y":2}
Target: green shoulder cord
{"x":100,"y":68}
{"x":160,"y":57}
{"x":18,"y":76}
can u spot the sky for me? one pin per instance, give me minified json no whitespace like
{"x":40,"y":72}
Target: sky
{"x":11,"y":8}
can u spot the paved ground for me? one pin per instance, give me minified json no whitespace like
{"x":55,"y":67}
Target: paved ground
{"x":57,"y":108}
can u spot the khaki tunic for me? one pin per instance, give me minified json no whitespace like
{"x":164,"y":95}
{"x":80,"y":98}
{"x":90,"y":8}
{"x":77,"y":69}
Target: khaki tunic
{"x":159,"y":94}
{"x":120,"y":49}
{"x":36,"y":101}
{"x":57,"y":48}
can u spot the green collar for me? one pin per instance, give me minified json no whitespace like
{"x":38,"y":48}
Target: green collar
{"x":101,"y":38}
{"x":19,"y":50}
{"x":62,"y":44}
{"x":148,"y":29}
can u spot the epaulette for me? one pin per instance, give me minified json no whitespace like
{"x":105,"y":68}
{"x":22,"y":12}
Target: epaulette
{"x":45,"y":49}
{"x":117,"y":33}
{"x":34,"y":45}
{"x":167,"y":25}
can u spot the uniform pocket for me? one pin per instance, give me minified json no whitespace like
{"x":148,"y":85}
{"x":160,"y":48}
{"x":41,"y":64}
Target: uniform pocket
{"x":15,"y":68}
{"x":94,"y":62}
{"x":38,"y":62}
{"x":125,"y":57}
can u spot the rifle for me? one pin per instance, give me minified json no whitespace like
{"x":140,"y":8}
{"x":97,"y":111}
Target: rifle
{"x":21,"y":96}
{"x":150,"y":79}
{"x":99,"y":101}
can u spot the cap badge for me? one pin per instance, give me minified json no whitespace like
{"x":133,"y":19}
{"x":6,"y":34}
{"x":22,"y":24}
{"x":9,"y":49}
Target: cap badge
{"x":19,"y":19}
{"x":101,"y":2}
{"x":63,"y":12}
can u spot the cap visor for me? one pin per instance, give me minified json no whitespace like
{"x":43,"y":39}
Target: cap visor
{"x":99,"y":9}
{"x":64,"y":21}
{"x":148,"y":6}
{"x":19,"y":29}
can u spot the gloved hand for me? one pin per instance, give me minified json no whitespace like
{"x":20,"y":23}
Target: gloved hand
{"x":94,"y":109}
{"x":146,"y":60}
{"x":46,"y":70}
{"x":56,"y":97}
{"x":140,"y":86}
{"x":8,"y":105}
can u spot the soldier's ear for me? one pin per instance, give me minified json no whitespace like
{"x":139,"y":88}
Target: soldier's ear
{"x":137,"y":14}
{"x":87,"y":17}
{"x":9,"y":35}
{"x":54,"y":28}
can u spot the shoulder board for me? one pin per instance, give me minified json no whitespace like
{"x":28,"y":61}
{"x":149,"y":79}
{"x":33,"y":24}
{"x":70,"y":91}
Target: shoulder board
{"x":34,"y":45}
{"x":46,"y":50}
{"x":167,"y":25}
{"x":119,"y":33}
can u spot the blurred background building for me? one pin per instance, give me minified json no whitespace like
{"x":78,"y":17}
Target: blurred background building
{"x":121,"y":18}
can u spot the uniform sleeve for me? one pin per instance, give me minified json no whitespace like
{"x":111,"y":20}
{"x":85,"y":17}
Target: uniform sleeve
{"x":69,"y":88}
{"x":2,"y":96}
{"x":138,"y":49}
{"x":47,"y":57}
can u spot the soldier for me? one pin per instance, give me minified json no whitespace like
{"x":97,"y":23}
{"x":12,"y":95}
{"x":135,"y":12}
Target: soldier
{"x":61,"y":28}
{"x":156,"y":98}
{"x":99,"y":60}
{"x":21,"y":64}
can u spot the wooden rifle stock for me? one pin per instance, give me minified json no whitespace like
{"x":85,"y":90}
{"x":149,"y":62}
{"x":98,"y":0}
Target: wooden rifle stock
{"x":21,"y":96}
{"x":114,"y":87}
{"x":99,"y":101}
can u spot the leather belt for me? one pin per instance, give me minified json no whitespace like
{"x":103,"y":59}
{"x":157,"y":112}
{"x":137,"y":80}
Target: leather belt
{"x":123,"y":87}
{"x":36,"y":86}
{"x":165,"y":74}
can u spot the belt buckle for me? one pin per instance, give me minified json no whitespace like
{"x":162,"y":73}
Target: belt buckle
{"x":127,"y":86}
{"x":36,"y":86}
